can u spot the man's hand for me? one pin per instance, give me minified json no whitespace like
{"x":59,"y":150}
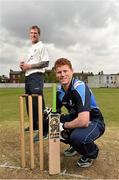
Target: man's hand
{"x":65,"y":133}
{"x":21,"y":64}
{"x":24,"y":66}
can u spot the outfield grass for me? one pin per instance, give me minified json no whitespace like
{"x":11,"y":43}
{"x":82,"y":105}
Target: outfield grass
{"x":107,"y":100}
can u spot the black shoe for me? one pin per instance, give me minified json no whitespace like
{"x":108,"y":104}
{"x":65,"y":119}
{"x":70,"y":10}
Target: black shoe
{"x":84,"y":162}
{"x":45,"y":136}
{"x":36,"y":137}
{"x":70,"y":152}
{"x":28,"y":130}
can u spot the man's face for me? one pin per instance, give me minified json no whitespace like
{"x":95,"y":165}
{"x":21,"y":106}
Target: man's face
{"x":34,"y":36}
{"x":64,"y":75}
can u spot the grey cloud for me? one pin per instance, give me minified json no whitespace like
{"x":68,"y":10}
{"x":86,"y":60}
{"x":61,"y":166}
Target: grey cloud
{"x":64,"y":23}
{"x":54,"y":18}
{"x":95,"y":14}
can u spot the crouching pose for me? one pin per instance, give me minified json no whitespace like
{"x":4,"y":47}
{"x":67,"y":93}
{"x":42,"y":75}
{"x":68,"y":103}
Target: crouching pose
{"x":84,"y":122}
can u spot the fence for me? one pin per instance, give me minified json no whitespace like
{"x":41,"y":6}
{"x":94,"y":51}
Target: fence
{"x":20,"y":85}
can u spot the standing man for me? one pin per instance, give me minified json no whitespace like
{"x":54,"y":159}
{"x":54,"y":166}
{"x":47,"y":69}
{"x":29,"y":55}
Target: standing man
{"x":34,"y":68}
{"x":84,"y":122}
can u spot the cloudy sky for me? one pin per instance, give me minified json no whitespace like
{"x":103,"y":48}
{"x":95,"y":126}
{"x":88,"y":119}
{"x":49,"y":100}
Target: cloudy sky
{"x":84,"y":31}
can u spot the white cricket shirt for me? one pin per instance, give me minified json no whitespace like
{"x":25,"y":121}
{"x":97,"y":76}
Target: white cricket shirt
{"x":37,"y":53}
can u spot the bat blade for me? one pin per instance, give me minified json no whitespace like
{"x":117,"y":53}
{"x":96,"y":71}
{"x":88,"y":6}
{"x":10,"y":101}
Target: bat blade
{"x":54,"y":143}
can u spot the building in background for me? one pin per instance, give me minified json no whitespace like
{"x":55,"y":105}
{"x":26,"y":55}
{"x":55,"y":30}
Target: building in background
{"x":83,"y":76}
{"x":16,"y":76}
{"x":94,"y":81}
{"x":104,"y":80}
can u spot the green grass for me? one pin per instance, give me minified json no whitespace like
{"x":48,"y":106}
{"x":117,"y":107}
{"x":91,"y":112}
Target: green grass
{"x":107,"y":99}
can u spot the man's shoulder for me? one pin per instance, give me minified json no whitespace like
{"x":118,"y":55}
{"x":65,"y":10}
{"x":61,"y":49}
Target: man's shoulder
{"x":78,"y":83}
{"x":40,"y":44}
{"x":59,"y":88}
{"x":60,"y":92}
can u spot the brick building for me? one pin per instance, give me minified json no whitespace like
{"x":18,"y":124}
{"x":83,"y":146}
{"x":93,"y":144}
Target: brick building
{"x":15,"y":76}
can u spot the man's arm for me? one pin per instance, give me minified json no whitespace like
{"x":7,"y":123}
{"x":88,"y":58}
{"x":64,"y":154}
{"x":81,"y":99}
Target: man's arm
{"x":40,"y":65}
{"x":83,"y":120}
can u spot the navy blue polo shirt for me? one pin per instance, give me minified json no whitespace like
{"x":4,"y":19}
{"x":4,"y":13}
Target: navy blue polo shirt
{"x":78,"y":98}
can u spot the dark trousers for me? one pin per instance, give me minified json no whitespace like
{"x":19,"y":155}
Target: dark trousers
{"x":82,"y":139}
{"x":34,"y":85}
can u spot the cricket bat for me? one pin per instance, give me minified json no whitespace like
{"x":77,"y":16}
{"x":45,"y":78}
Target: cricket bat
{"x":54,"y":138}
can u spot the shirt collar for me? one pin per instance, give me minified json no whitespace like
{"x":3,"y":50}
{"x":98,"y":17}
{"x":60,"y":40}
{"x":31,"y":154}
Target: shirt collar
{"x":70,"y":86}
